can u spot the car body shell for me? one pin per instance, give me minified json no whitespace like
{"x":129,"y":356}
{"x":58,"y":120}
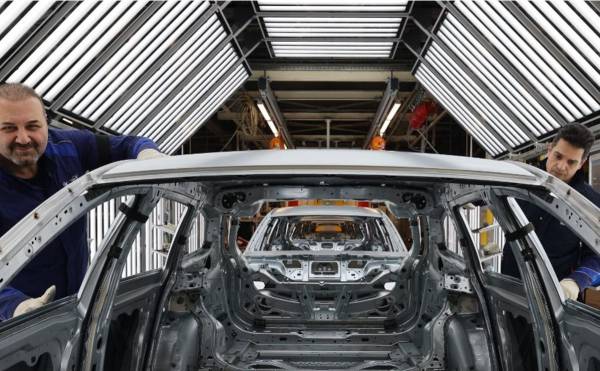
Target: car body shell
{"x":73,"y":329}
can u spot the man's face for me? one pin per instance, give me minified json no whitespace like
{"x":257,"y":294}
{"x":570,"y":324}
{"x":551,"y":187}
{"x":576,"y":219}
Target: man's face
{"x":23,"y":131}
{"x":564,"y":160}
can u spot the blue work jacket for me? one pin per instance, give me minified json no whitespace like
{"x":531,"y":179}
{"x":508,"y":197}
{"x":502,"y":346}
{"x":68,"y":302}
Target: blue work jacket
{"x":569,"y":257}
{"x":63,"y":263}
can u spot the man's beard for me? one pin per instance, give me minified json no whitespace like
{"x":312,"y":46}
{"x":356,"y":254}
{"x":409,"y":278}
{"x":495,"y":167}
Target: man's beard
{"x":21,"y":158}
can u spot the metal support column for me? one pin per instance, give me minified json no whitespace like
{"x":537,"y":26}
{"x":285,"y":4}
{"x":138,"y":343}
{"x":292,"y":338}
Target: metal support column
{"x":383,"y":110}
{"x":261,"y":26}
{"x":402,"y":30}
{"x":328,"y":130}
{"x":270,"y":101}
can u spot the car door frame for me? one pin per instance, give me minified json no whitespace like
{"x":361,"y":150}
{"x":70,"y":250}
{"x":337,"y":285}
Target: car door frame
{"x":81,"y":346}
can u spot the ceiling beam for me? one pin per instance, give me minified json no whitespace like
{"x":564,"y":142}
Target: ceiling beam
{"x":309,"y":116}
{"x":292,"y":64}
{"x":333,"y":75}
{"x":388,"y":100}
{"x":328,"y":95}
{"x":321,"y":116}
{"x":333,"y":138}
{"x":325,"y":95}
{"x":268,"y":99}
{"x":332,"y":14}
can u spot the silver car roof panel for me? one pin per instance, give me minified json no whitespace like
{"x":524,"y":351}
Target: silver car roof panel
{"x":320,"y":162}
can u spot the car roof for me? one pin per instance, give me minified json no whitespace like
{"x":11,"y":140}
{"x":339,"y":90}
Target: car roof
{"x":318,"y":162}
{"x":326,"y":211}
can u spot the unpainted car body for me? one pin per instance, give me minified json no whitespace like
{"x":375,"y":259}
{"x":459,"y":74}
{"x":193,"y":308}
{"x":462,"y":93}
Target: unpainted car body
{"x":342,"y":261}
{"x":203,"y":311}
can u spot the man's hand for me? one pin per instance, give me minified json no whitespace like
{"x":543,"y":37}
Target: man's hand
{"x":149,"y":153}
{"x":35,"y":303}
{"x":570,"y":288}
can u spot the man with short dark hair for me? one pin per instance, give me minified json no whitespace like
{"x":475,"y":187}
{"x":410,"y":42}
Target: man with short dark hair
{"x":574,"y":263}
{"x":35,"y":162}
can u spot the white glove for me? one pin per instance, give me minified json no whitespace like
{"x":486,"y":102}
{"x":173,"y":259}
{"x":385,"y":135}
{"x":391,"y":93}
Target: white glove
{"x":149,"y":153}
{"x":35,"y":303}
{"x":570,"y":288}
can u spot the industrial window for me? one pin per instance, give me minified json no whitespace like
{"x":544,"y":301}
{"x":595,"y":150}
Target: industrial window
{"x":486,"y":235}
{"x":152,"y":244}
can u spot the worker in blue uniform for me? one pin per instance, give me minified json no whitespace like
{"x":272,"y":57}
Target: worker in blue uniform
{"x":576,"y":265}
{"x":35,"y":162}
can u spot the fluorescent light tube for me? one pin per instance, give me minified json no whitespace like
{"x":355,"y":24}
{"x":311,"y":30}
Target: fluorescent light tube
{"x":389,"y":118}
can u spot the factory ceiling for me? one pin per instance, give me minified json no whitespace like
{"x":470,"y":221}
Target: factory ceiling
{"x":200,"y":76}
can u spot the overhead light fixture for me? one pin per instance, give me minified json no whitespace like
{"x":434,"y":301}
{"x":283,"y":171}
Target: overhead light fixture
{"x":317,"y":25}
{"x":267,"y":104}
{"x":386,"y":111}
{"x":267,"y":117}
{"x":389,"y":118}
